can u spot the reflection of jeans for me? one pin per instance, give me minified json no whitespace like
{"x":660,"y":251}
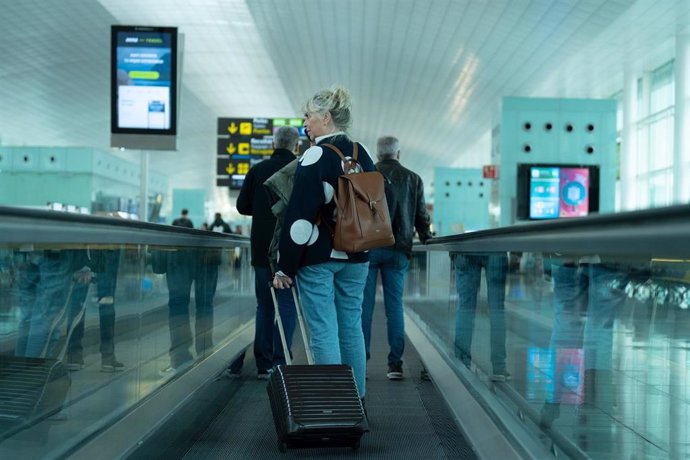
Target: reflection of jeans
{"x":268,"y":348}
{"x":585,"y":309}
{"x":468,"y":270}
{"x":43,"y":286}
{"x":393,"y":266}
{"x":106,"y":282}
{"x":331,"y":294}
{"x":184,"y":268}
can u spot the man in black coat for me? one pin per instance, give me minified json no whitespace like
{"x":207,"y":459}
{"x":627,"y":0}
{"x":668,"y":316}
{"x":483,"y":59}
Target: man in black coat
{"x":405,"y":196}
{"x":253,"y":201}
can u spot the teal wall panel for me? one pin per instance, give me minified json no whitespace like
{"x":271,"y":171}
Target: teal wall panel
{"x":33,"y":176}
{"x":192,"y":199}
{"x":461,"y":201}
{"x":536,"y":130}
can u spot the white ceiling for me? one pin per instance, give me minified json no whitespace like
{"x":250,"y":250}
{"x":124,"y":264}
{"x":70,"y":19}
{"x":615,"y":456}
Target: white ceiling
{"x":430,"y":72}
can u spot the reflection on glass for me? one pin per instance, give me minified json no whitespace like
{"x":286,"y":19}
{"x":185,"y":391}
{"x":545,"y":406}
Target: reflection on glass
{"x":468,"y":271}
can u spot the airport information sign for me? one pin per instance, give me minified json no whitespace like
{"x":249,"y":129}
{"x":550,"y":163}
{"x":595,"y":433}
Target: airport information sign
{"x":244,"y":142}
{"x":143,"y":80}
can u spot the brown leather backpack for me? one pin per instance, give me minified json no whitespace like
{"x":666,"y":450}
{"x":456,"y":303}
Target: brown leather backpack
{"x":362,"y":221}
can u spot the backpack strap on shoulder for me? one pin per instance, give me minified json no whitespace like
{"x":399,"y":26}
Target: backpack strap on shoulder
{"x":349,"y":163}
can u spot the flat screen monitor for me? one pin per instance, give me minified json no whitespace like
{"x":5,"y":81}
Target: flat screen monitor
{"x":554,"y":191}
{"x":144,"y":80}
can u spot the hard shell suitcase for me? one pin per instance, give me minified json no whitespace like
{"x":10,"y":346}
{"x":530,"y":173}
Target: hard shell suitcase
{"x":314,"y":405}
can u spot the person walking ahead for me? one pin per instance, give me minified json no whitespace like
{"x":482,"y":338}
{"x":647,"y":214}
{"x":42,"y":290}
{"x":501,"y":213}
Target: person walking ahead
{"x":253,"y":201}
{"x":405,"y":196}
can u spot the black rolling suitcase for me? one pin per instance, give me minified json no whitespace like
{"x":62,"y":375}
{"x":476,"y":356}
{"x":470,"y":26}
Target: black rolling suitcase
{"x":314,"y":405}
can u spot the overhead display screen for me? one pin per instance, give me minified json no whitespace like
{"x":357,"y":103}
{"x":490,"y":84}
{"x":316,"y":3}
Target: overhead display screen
{"x":143,"y":80}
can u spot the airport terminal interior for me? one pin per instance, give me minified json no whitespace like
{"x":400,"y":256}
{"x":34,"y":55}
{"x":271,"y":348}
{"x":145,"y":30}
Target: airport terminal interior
{"x":548,"y":317}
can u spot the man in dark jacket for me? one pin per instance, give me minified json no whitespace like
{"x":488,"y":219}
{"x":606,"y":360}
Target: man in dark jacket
{"x":253,"y":201}
{"x":405,"y":196}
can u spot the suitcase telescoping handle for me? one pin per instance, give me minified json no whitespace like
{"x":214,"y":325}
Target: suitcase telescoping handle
{"x":302,"y":326}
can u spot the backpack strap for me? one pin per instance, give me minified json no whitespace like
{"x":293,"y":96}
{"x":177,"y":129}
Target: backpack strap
{"x":346,"y":160}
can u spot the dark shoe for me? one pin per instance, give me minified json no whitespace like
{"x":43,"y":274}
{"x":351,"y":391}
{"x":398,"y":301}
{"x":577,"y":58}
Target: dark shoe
{"x":262,"y":374}
{"x":395,"y":371}
{"x":502,"y":376}
{"x":111,"y":365}
{"x":167,"y":372}
{"x":232,"y":374}
{"x":75,"y":365}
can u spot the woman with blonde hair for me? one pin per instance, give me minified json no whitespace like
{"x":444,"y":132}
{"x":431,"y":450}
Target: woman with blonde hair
{"x":330,"y":282}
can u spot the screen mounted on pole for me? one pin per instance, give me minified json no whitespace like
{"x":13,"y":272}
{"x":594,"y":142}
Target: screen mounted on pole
{"x":144,"y":80}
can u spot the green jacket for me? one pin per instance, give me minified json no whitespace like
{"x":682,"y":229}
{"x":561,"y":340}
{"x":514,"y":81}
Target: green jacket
{"x":279,"y":188}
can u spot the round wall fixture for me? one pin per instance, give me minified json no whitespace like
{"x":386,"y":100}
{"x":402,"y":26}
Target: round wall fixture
{"x":548,"y":126}
{"x":527,"y":148}
{"x":447,"y":194}
{"x":590,"y":127}
{"x":569,"y":127}
{"x":447,"y":183}
{"x":527,"y":126}
{"x":589,"y":149}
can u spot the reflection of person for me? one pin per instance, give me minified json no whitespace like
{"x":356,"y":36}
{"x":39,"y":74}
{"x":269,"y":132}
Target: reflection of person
{"x":586,"y":298}
{"x":184,"y":267}
{"x":183,"y":220}
{"x":330,"y":282}
{"x":405,"y":197}
{"x":468,"y":272}
{"x":106,"y":265}
{"x":219,"y":225}
{"x":253,"y":201}
{"x":47,"y":280}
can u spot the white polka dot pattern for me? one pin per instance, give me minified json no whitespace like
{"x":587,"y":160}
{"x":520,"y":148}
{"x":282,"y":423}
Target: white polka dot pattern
{"x":328,"y":192}
{"x":311,"y":156}
{"x":338,"y":254}
{"x":314,"y":236}
{"x":300,"y":231}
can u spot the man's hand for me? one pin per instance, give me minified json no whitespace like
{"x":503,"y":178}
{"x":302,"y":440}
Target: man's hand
{"x":281,"y":281}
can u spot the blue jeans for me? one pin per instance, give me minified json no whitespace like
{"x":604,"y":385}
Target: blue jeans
{"x":393,"y":265}
{"x":468,"y":273}
{"x":268,"y":348}
{"x":331,"y":295}
{"x":44,"y":283}
{"x":187,"y":266}
{"x":585,"y":307}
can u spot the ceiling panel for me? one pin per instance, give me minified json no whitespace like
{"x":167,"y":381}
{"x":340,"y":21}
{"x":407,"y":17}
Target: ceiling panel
{"x":432,"y":73}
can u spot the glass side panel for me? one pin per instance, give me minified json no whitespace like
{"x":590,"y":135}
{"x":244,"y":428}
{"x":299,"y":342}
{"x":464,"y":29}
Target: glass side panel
{"x":593,"y":352}
{"x":88,"y":332}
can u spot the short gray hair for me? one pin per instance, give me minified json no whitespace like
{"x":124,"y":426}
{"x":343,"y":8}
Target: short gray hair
{"x":337,"y":101}
{"x":285,"y":137}
{"x":387,"y":147}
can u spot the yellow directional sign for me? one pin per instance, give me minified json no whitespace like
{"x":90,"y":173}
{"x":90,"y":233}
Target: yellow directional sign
{"x":243,"y":148}
{"x":243,"y":168}
{"x":231,"y":148}
{"x":230,"y":169}
{"x":246,"y":128}
{"x":232,"y":129}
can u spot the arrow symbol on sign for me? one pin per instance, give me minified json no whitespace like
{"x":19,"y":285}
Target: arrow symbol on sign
{"x":231,"y":149}
{"x":230,"y":169}
{"x":232,"y":129}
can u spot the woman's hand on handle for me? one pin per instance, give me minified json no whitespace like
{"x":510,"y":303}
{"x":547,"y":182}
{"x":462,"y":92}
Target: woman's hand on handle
{"x":281,"y":281}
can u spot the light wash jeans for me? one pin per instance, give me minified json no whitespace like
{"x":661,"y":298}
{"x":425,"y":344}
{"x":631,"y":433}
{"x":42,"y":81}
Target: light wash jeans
{"x":393,"y":265}
{"x":331,"y":295}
